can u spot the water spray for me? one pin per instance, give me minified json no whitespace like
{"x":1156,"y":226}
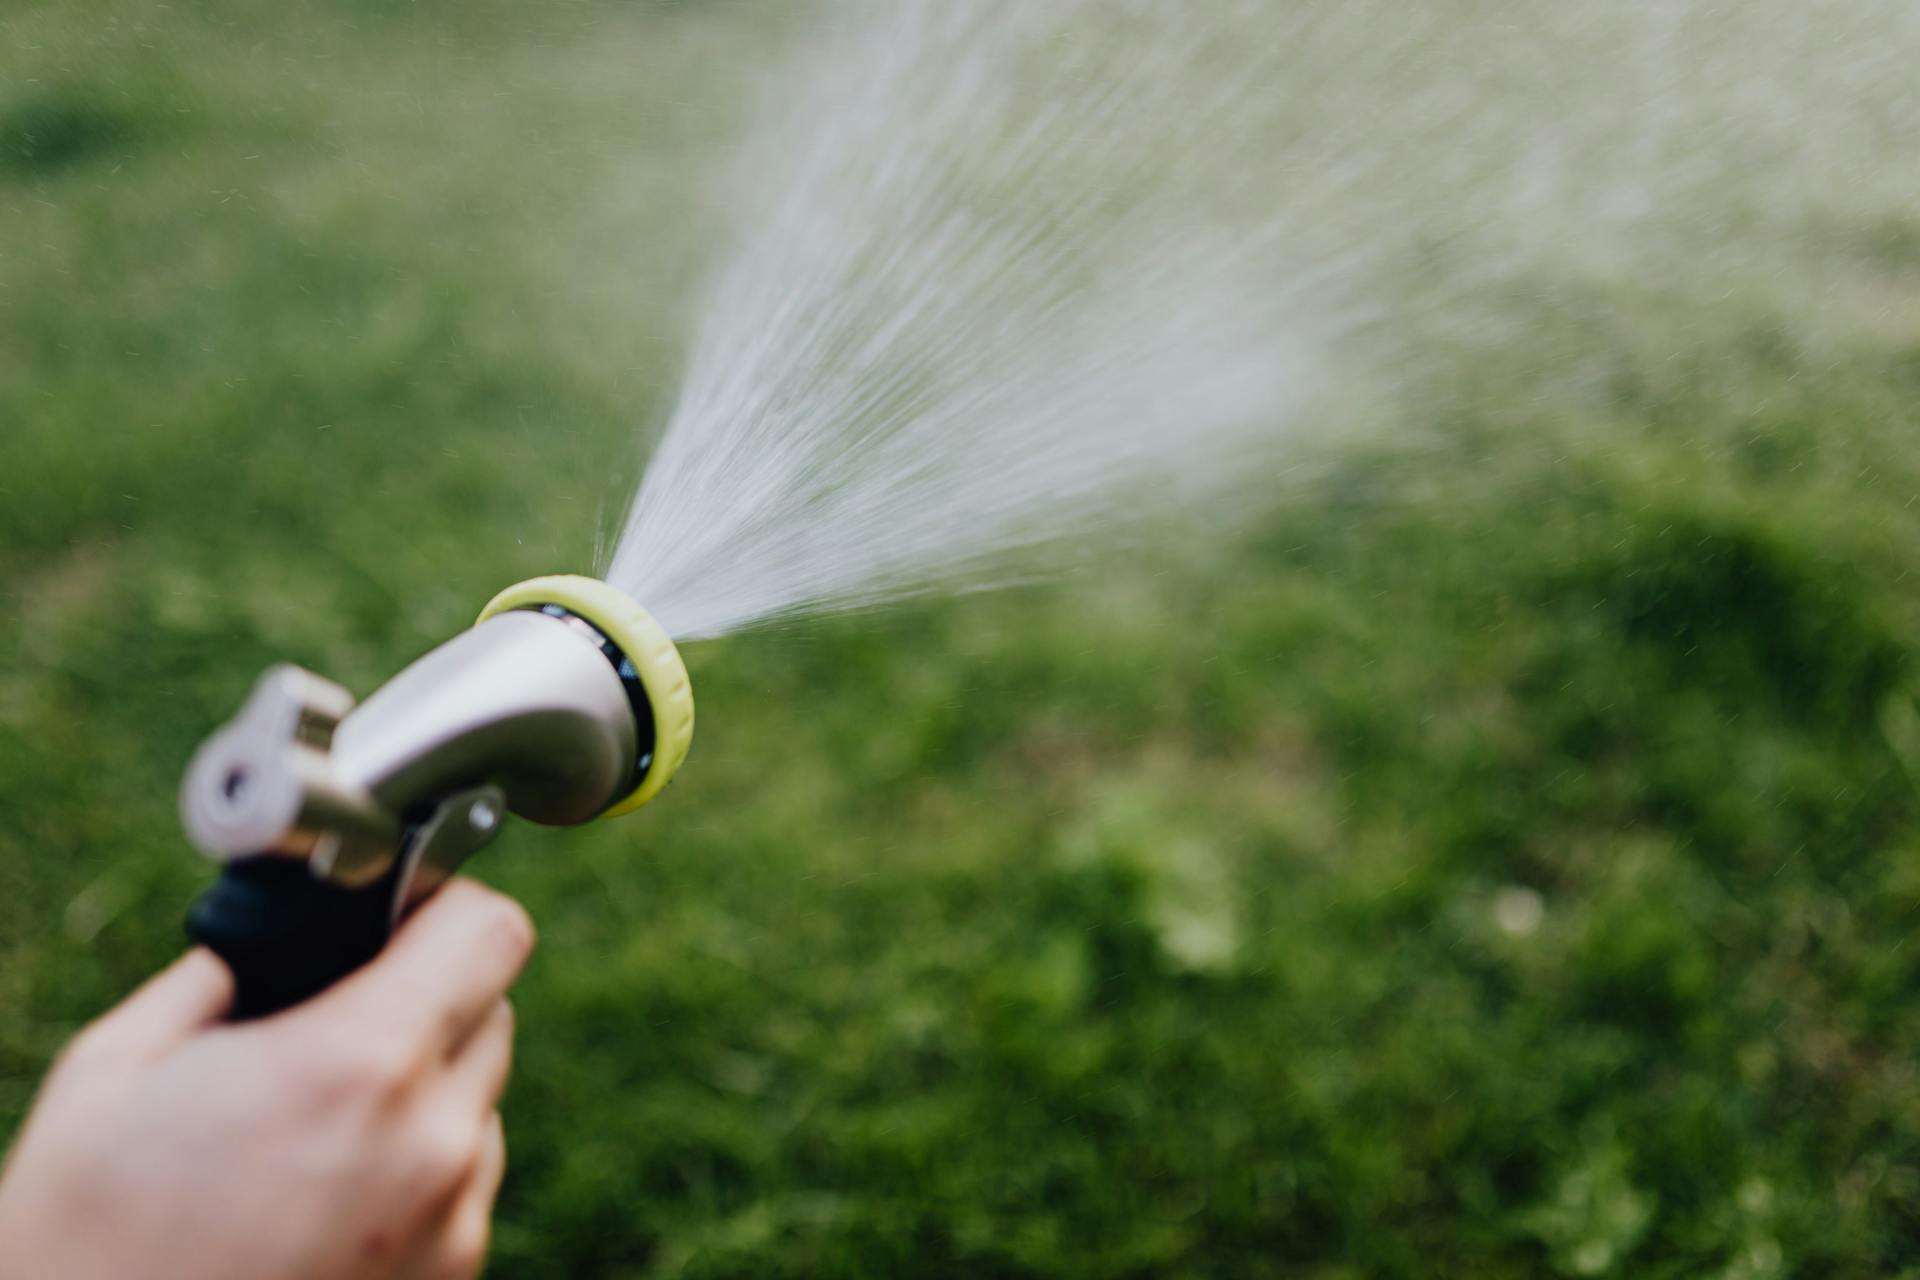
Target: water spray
{"x":1006,"y":278}
{"x":565,"y":702}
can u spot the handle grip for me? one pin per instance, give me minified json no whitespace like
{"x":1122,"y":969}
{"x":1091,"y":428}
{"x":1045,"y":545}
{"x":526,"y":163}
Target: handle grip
{"x":285,"y":934}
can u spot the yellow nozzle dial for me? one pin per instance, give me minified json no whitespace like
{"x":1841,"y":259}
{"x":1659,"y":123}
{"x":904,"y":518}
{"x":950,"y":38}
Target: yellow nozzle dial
{"x":647,"y":646}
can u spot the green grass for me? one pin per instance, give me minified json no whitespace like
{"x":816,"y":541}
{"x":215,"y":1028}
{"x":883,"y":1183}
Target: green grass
{"x":1149,"y":925}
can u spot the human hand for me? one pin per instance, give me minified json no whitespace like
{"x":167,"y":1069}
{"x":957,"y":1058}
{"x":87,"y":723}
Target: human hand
{"x":353,"y":1136}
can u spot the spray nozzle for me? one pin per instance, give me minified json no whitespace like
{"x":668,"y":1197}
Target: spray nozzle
{"x":565,"y":702}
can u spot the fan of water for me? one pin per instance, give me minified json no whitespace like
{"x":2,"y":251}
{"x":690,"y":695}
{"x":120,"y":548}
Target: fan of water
{"x":1008,"y":273}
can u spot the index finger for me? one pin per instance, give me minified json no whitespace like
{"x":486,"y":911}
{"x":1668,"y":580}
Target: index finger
{"x":187,"y":996}
{"x":445,"y":970}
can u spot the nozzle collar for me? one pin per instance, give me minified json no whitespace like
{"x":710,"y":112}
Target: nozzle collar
{"x":650,"y":655}
{"x":644,"y":729}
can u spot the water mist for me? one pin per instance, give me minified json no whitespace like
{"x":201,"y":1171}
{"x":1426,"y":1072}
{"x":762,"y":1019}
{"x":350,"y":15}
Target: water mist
{"x":1007,"y":274}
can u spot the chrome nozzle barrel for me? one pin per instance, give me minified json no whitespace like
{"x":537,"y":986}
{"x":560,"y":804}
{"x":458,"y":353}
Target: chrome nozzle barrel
{"x":525,"y":701}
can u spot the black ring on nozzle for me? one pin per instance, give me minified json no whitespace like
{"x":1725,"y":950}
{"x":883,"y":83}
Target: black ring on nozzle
{"x":645,"y":734}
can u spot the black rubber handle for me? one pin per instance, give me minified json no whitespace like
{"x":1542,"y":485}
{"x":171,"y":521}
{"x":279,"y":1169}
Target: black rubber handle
{"x":286,"y":935}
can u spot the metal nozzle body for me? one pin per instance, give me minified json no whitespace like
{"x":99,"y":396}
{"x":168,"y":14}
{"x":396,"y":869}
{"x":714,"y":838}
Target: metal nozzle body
{"x":566,"y":701}
{"x":524,"y":702}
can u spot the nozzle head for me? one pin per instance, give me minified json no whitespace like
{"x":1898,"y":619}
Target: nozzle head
{"x":645,"y":645}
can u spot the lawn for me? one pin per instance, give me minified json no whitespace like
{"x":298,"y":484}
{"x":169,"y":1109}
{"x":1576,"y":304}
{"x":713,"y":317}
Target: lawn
{"x":1499,"y":860}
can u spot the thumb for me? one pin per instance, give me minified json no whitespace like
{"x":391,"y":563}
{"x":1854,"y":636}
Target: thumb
{"x":187,"y":996}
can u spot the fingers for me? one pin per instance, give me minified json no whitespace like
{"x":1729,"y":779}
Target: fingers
{"x":471,"y":1223}
{"x":187,"y":996}
{"x":480,"y":1069}
{"x":443,"y":973}
{"x":455,"y":1248}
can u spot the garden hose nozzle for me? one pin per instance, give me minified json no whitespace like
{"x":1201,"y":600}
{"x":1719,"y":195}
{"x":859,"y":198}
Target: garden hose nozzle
{"x":565,"y":702}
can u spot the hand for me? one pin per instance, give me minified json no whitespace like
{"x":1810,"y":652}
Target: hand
{"x":354,"y":1136}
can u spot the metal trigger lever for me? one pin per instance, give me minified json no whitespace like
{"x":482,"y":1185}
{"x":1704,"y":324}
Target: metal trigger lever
{"x":460,"y":826}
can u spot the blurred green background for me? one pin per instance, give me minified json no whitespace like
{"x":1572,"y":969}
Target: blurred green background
{"x":1500,"y":861}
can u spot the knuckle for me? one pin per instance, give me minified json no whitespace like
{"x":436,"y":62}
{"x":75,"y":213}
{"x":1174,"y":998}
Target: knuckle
{"x":386,"y":1065}
{"x":445,"y":1154}
{"x":370,"y":1067}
